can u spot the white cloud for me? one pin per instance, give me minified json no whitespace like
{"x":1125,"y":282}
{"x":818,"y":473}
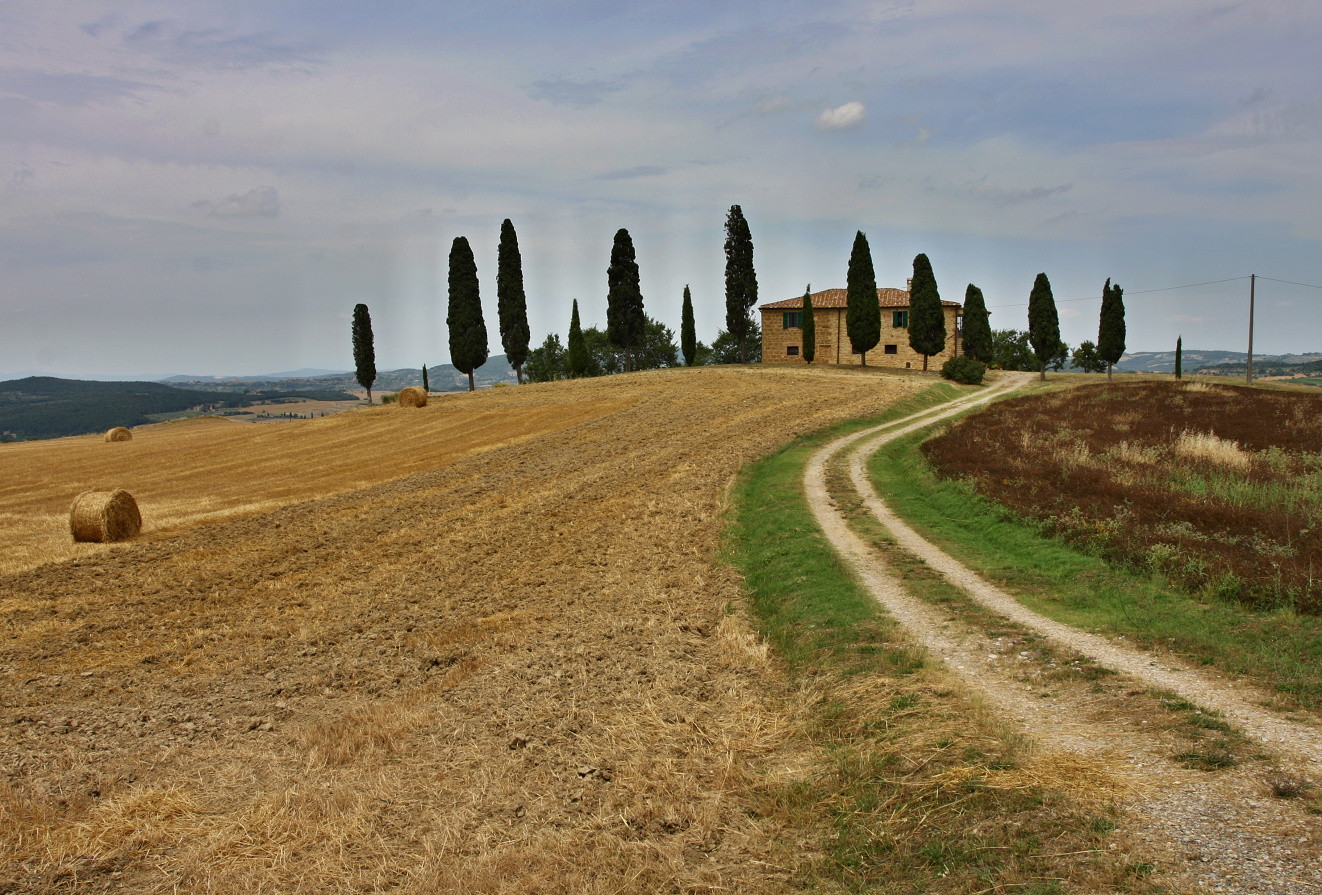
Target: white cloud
{"x":841,"y":117}
{"x":258,"y":202}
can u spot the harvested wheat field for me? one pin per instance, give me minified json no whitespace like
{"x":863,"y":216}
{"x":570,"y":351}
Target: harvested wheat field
{"x":210,"y":469}
{"x":514,"y":669}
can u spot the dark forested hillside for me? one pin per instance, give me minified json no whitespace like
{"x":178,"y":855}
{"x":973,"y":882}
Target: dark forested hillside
{"x":47,"y":407}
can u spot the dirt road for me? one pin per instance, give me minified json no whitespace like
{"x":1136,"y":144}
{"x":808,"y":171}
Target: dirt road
{"x":1218,"y":831}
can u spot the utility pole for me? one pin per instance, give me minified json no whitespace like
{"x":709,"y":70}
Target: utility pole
{"x":1248,"y":376}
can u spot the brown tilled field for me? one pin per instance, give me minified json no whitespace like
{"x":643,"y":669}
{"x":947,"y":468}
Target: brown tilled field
{"x":477,"y":647}
{"x":1217,"y":487}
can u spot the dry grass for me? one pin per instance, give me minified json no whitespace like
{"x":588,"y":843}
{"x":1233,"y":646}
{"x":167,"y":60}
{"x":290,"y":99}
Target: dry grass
{"x":1208,"y":448}
{"x":207,"y":470}
{"x":514,"y":671}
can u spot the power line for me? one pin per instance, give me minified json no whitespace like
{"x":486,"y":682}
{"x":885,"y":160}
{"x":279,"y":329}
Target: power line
{"x":1290,"y":282}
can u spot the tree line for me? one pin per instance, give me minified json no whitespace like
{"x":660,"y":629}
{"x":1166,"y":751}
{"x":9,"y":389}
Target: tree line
{"x":632,"y":340}
{"x":1040,"y":347}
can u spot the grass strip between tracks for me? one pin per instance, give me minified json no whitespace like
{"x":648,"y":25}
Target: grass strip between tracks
{"x":1280,"y":650}
{"x":912,"y":787}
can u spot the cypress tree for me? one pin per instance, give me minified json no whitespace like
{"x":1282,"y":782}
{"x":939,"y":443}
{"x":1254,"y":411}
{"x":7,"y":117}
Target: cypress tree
{"x":688,"y":335}
{"x":425,"y":386}
{"x":364,"y":352}
{"x":809,"y":327}
{"x":927,"y":319}
{"x":863,"y":309}
{"x":624,"y":300}
{"x":1043,"y":323}
{"x":977,"y":326}
{"x":740,"y":279}
{"x":1179,"y":357}
{"x":1111,"y":326}
{"x":468,"y":333}
{"x":577,"y":359}
{"x":511,"y":303}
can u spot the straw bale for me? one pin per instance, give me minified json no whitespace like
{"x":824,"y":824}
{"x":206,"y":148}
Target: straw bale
{"x":99,"y":516}
{"x":412,"y":397}
{"x":119,"y":433}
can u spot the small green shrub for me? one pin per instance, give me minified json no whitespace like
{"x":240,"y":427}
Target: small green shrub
{"x":390,"y":399}
{"x":964,"y":369}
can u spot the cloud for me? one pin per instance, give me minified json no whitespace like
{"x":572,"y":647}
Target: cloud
{"x":632,"y":173}
{"x":567,"y":92}
{"x":733,"y":52}
{"x":773,"y":105}
{"x":1005,"y":198}
{"x":258,"y":202}
{"x":841,"y":117}
{"x":65,"y":89}
{"x":215,"y":47}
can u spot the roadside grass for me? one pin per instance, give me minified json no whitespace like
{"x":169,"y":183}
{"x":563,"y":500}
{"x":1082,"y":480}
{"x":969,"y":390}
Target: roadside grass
{"x":1279,"y":648}
{"x":914,"y":788}
{"x":1042,"y":666}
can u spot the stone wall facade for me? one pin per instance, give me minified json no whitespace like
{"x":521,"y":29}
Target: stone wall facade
{"x":781,"y":344}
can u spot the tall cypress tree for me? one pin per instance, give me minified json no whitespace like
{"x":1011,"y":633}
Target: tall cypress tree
{"x":927,"y":319}
{"x":511,"y":303}
{"x":1111,"y":326}
{"x":809,"y":327}
{"x":688,"y":334}
{"x":977,"y":326}
{"x":468,"y":332}
{"x":1043,"y":323}
{"x":364,"y":352}
{"x":625,"y":319}
{"x":740,"y":279}
{"x":426,"y":386}
{"x":863,"y":308}
{"x":1179,"y":357}
{"x":577,"y":359}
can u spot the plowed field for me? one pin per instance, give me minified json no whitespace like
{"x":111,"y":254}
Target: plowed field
{"x":514,"y":669}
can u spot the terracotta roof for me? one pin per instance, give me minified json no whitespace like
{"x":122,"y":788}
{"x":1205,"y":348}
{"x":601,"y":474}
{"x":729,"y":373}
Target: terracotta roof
{"x":838,"y":298}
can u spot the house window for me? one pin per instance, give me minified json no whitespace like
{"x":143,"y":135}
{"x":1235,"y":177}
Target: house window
{"x":891,"y":349}
{"x":793,"y":320}
{"x":899,"y":319}
{"x":791,"y":350}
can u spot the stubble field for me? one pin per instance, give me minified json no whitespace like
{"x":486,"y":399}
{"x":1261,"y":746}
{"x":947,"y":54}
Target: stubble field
{"x":482,"y":646}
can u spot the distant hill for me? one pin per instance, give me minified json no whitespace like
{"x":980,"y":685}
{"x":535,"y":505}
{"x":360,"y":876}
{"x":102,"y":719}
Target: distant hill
{"x":47,"y":407}
{"x":441,"y":378}
{"x":1213,"y":361}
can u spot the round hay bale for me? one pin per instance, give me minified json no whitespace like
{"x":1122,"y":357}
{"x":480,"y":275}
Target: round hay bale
{"x":102,"y":516}
{"x":119,"y":433}
{"x":412,"y":397}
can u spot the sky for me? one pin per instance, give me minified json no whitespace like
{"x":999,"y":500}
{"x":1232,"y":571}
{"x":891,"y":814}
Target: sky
{"x":209,"y":188}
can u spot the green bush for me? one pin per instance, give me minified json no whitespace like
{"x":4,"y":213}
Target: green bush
{"x":965,"y":370}
{"x":390,"y":399}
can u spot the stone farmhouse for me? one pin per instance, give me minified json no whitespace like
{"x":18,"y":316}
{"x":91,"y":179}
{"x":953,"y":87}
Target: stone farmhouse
{"x":782,"y":331}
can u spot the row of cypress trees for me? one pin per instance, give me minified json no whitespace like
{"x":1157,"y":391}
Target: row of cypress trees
{"x":1044,"y":326}
{"x":927,"y":326}
{"x":927,"y":319}
{"x":626,"y":319}
{"x":463,"y":318}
